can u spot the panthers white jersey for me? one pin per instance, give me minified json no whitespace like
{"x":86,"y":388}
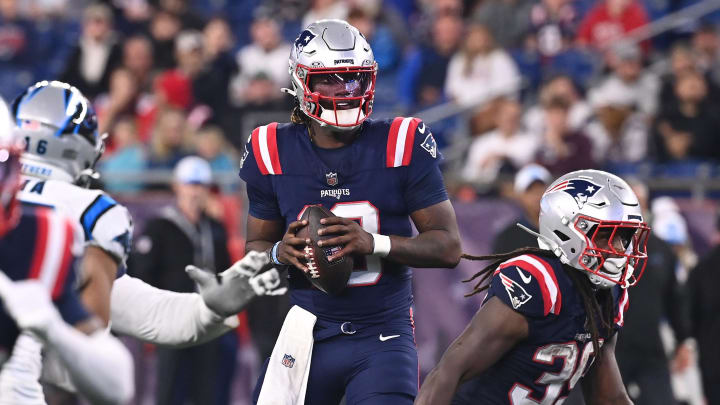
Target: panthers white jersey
{"x":104,"y":222}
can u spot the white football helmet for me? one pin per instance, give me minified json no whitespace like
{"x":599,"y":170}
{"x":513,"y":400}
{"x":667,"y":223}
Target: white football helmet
{"x":333,"y":71}
{"x":593,"y":222}
{"x":59,"y":127}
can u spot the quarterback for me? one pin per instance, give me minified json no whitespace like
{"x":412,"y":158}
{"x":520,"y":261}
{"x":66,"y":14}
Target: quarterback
{"x":62,"y":145}
{"x":375,"y":176}
{"x":551,"y":312}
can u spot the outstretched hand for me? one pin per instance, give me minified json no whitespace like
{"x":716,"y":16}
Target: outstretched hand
{"x":229,"y":292}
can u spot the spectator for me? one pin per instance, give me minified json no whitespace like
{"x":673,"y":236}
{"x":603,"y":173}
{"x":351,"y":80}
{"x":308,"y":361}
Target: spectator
{"x":188,"y":18}
{"x":480,"y":72}
{"x":264,"y":59}
{"x":183,"y":234}
{"x":211,"y":85}
{"x":559,"y":87}
{"x":529,"y":186}
{"x":619,"y":135}
{"x":422,"y":76}
{"x":629,"y":84}
{"x":706,"y":49}
{"x":137,"y":58}
{"x":323,"y":9}
{"x":561,"y":149}
{"x":127,"y":158}
{"x":97,"y":54}
{"x":385,"y":50}
{"x":609,"y":21}
{"x":169,"y":138}
{"x":704,"y":302}
{"x":174,"y":87}
{"x":553,"y":23}
{"x":688,"y":129}
{"x":16,"y":35}
{"x":163,"y":29}
{"x":507,"y":145}
{"x":129,"y":92}
{"x":210,"y":145}
{"x":507,"y":20}
{"x":657,"y":297}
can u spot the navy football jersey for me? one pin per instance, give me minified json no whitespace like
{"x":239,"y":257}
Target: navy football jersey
{"x":558,"y":351}
{"x":42,"y":246}
{"x":389,"y":171}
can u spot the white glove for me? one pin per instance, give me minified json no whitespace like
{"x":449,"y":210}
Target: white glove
{"x":229,"y":292}
{"x":28,"y":303}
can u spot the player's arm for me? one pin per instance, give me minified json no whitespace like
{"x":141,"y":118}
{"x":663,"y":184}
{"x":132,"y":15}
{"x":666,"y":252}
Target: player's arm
{"x":99,"y":365}
{"x":99,"y":270}
{"x":262,"y":234}
{"x":185,"y":319}
{"x":494,"y":330}
{"x":603,"y":385}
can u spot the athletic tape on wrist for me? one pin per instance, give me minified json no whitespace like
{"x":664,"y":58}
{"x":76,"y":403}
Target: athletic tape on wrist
{"x":381,"y":245}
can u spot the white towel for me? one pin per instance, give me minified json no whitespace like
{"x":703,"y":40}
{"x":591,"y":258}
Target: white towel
{"x":287,"y":374}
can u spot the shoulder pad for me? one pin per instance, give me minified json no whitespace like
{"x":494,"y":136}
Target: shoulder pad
{"x":109,"y":226}
{"x":534,"y":276}
{"x":265,"y":149}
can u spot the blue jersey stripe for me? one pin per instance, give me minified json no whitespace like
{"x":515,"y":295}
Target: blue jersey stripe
{"x":93,"y":212}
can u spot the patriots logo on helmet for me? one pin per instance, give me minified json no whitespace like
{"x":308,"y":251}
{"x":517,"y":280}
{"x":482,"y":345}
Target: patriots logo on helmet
{"x":518,"y":295}
{"x":579,"y":189}
{"x":304,"y":39}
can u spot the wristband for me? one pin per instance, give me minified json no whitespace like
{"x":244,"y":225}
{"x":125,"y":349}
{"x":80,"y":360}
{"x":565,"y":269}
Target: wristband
{"x":274,"y":254}
{"x":381,"y":245}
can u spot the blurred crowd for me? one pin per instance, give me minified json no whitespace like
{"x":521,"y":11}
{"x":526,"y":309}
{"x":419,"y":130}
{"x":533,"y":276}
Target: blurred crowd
{"x":566,"y":83}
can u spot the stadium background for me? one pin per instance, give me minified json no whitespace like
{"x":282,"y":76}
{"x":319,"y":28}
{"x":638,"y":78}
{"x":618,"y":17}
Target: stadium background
{"x":630,"y":86}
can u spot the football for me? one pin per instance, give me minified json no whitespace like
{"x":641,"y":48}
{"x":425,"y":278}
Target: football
{"x":331,"y":278}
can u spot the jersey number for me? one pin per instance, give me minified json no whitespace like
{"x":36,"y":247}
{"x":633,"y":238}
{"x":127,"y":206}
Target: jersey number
{"x":368,"y":216}
{"x":40,"y":148}
{"x":573,"y":368}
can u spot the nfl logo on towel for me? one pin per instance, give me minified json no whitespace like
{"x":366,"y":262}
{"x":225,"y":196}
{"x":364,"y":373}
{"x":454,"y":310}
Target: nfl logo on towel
{"x":332,"y":179}
{"x":288,"y":361}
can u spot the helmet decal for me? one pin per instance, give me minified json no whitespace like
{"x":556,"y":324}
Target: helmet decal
{"x":579,"y":189}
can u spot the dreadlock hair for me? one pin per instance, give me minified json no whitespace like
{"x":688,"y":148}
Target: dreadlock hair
{"x":297,"y":116}
{"x":597,"y":304}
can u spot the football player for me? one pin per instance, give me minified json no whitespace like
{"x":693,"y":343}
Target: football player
{"x":62,"y":145}
{"x":375,"y":176}
{"x":38,"y":249}
{"x":553,"y":311}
